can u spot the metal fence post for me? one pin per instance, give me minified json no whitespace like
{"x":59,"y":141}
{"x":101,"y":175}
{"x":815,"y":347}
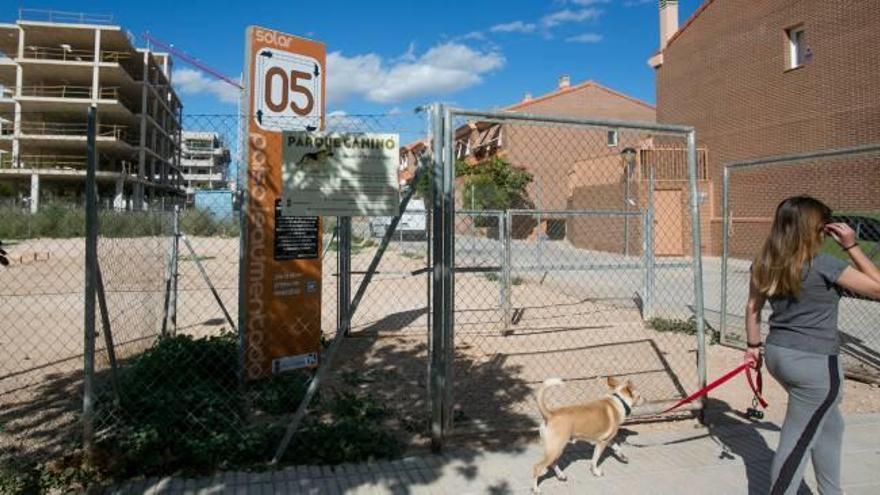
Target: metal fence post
{"x":506,"y":267}
{"x":448,"y":271}
{"x":436,"y":344}
{"x":175,"y":270}
{"x":343,"y":283}
{"x":725,"y":233}
{"x":699,"y":311}
{"x":91,"y":274}
{"x":648,"y":302}
{"x":243,"y":198}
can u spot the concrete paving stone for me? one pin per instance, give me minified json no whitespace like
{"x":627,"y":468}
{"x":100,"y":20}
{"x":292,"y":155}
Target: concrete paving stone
{"x":871,"y":489}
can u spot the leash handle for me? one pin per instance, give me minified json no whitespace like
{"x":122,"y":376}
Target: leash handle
{"x":757,"y":385}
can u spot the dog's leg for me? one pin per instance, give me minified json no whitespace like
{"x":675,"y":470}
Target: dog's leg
{"x":597,"y":453}
{"x":553,"y":447}
{"x":615,"y":447}
{"x":559,"y":474}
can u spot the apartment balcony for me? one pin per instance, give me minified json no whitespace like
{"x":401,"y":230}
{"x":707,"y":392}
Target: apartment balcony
{"x":72,"y":137}
{"x":66,"y":98}
{"x":7,"y":100}
{"x":202,"y":178}
{"x":198,"y":162}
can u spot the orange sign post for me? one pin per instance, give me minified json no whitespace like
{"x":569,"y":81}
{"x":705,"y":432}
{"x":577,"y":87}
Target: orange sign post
{"x":281,"y":276}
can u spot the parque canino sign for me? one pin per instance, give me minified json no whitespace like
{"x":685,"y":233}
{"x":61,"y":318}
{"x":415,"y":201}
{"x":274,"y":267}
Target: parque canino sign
{"x":343,"y":175}
{"x":281,"y":275}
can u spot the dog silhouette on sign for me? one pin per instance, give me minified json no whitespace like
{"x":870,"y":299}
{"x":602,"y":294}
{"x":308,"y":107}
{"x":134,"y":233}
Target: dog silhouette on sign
{"x":313,"y":161}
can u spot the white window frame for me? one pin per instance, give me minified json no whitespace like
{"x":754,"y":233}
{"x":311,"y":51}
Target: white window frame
{"x":612,"y":138}
{"x":796,"y":47}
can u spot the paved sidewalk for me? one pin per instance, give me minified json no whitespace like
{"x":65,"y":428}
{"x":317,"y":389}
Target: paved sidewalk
{"x":681,"y":461}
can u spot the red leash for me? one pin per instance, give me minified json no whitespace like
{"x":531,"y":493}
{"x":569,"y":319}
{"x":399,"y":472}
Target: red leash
{"x":747,"y":367}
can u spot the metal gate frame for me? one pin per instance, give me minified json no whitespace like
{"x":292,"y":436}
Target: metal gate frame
{"x":726,"y":217}
{"x":442,"y":321}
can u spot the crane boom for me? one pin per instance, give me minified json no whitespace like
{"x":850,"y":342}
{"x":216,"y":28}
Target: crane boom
{"x":189,"y":59}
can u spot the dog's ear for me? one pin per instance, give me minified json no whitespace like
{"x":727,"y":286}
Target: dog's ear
{"x":612,"y":382}
{"x":628,"y":387}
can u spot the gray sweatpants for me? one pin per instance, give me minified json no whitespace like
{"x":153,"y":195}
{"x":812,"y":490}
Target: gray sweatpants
{"x":813,"y":424}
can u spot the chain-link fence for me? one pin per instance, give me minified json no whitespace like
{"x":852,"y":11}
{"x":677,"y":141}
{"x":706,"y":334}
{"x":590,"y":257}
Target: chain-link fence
{"x":574,"y":258}
{"x":847,"y":180}
{"x":568,"y":250}
{"x":167,"y":391}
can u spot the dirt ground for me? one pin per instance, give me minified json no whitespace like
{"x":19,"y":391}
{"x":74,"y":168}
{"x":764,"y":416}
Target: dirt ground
{"x":497,"y":366}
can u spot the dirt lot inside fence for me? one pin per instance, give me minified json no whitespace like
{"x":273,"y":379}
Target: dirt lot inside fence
{"x":552,"y":333}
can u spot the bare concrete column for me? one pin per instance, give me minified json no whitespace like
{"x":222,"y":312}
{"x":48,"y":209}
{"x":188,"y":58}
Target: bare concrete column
{"x":142,"y":142}
{"x":119,"y":197}
{"x":19,"y":81}
{"x":96,"y":76}
{"x":35,"y":193}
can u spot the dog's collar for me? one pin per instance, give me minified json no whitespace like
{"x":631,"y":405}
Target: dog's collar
{"x":626,"y":409}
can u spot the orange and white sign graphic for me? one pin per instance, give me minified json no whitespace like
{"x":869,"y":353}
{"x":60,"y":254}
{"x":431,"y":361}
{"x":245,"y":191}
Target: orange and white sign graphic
{"x":282,"y":273}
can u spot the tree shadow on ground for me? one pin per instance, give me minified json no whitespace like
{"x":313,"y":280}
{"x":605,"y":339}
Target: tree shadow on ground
{"x":43,"y":420}
{"x":390,"y":367}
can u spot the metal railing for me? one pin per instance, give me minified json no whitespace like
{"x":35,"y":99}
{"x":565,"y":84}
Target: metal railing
{"x":70,"y":91}
{"x":69,"y":129}
{"x":52,"y":161}
{"x":671,"y":164}
{"x":73,"y":54}
{"x":45,"y":15}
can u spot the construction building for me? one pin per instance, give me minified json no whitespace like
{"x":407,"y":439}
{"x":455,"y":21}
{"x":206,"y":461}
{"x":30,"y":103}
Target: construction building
{"x":53,"y":67}
{"x":205,"y":162}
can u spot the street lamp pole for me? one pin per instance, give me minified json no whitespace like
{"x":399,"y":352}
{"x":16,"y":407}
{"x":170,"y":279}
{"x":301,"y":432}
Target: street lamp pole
{"x":629,"y":155}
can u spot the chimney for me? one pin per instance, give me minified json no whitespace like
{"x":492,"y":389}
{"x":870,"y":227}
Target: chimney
{"x":668,"y":21}
{"x":564,"y":81}
{"x":527,"y":97}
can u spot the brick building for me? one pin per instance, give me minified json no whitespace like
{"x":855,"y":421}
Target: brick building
{"x":578,"y":168}
{"x":772,"y":77}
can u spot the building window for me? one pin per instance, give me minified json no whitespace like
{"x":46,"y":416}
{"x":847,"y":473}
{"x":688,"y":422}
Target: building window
{"x":612,"y":138}
{"x":797,"y":47}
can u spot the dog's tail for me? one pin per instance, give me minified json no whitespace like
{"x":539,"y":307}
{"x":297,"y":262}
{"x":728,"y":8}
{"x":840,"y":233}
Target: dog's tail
{"x":550,"y":382}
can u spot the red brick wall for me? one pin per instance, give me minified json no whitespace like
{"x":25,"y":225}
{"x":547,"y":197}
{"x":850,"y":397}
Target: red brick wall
{"x":726,"y":76}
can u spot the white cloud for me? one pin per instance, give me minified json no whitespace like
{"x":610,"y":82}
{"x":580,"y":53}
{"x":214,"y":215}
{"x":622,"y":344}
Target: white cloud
{"x":474,"y":35}
{"x":568,"y":15}
{"x":443,"y":69}
{"x":341,"y":121}
{"x":585,"y":38}
{"x":192,"y":82}
{"x":513,"y":27}
{"x":587,"y":3}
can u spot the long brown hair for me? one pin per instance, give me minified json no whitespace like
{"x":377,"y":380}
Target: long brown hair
{"x":795,"y":238}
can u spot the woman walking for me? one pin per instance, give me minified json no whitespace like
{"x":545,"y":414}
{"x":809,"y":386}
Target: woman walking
{"x":804,"y":290}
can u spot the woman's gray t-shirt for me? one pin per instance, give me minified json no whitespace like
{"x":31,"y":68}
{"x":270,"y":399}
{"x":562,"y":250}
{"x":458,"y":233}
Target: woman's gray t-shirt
{"x":809,"y":322}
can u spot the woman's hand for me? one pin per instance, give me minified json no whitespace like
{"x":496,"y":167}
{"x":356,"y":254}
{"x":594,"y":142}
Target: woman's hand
{"x":753,"y":355}
{"x":842,"y":233}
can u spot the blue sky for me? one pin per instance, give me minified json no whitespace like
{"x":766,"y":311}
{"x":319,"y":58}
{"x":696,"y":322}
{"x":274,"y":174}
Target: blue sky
{"x":393,"y":55}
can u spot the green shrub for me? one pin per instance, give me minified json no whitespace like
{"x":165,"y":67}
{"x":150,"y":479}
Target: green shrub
{"x":182,"y":410}
{"x":687,"y":327}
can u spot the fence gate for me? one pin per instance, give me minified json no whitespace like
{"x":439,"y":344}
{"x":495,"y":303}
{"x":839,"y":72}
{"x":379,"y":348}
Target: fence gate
{"x":847,"y":180}
{"x":576,"y":255}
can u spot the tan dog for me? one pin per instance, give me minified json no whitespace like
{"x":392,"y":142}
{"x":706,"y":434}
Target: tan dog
{"x":595,"y":422}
